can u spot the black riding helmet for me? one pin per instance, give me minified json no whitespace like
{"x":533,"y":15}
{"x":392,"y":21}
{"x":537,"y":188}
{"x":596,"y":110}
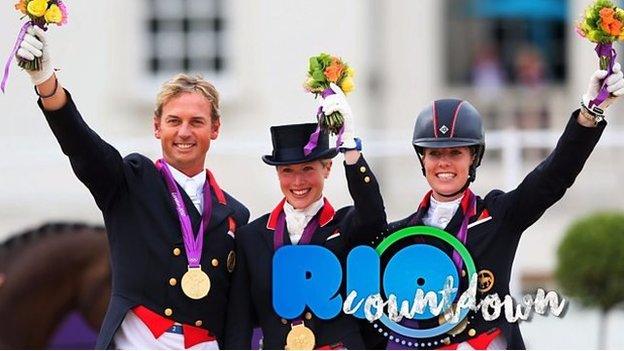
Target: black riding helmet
{"x":450,"y":123}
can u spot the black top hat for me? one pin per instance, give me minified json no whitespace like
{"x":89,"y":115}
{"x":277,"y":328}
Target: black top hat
{"x":289,"y":141}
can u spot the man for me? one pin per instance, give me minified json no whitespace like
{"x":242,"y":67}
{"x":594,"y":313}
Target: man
{"x":172,"y":251}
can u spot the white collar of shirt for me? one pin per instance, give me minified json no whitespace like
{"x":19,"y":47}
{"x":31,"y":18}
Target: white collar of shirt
{"x":296,"y":220}
{"x":193,"y":186}
{"x":440,"y":213}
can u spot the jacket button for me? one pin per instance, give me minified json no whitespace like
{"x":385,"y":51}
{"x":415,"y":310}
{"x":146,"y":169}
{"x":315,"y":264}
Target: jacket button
{"x":173,"y":281}
{"x":367,"y":179}
{"x":463,"y":273}
{"x":308,"y":315}
{"x":362,"y":169}
{"x":215,"y":262}
{"x":168,"y":312}
{"x":284,"y":321}
{"x":176,"y":252}
{"x":472,"y":332}
{"x":198,"y":323}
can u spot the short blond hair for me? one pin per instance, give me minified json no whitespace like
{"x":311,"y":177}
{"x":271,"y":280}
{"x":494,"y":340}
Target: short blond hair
{"x":183,"y":83}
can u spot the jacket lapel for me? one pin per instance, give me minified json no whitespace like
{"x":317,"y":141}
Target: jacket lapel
{"x":220,"y":213}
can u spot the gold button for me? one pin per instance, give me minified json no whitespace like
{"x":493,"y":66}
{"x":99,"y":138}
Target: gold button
{"x":308,"y":315}
{"x":472,"y":332}
{"x":215,"y":262}
{"x":176,"y":252}
{"x":173,"y":281}
{"x":198,"y":323}
{"x":362,"y":169}
{"x":168,"y":312}
{"x":284,"y":321}
{"x":367,"y":179}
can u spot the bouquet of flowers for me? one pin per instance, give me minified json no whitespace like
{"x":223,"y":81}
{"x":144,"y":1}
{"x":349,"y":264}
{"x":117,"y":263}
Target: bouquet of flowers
{"x":41,"y":13}
{"x":603,"y":24}
{"x":323,"y":70}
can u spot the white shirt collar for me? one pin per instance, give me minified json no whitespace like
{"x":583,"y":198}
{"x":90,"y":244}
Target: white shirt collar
{"x":193,"y":186}
{"x":440,"y":213}
{"x":297,"y":219}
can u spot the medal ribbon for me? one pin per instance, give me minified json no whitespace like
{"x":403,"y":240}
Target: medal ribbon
{"x":192,"y":244}
{"x":462,"y":234}
{"x":306,"y":237}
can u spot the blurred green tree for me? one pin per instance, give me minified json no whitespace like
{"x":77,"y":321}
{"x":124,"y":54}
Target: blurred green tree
{"x":590,"y":264}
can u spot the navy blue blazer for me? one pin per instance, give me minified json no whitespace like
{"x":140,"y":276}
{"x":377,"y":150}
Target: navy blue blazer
{"x":144,"y":233}
{"x":251,"y":300}
{"x":500,"y":220}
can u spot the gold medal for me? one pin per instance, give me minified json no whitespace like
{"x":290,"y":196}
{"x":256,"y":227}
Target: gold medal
{"x":195,"y":283}
{"x":231,"y":261}
{"x":300,"y":337}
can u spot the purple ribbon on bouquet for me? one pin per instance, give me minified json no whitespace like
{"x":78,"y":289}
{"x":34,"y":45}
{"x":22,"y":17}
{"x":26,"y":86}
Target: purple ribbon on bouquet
{"x":607,"y":51}
{"x":312,"y":143}
{"x":7,"y":66}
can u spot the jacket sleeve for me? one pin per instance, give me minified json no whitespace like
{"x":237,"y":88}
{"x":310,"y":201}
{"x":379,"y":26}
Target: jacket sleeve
{"x":97,"y":164}
{"x":548,"y":182}
{"x":240,"y":314}
{"x":368,"y":217}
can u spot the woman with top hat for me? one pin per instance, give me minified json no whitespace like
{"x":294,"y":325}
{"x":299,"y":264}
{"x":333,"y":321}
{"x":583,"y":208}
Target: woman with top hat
{"x":449,"y":142}
{"x":303,"y":217}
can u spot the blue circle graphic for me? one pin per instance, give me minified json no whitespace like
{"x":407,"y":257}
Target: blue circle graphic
{"x":423,"y":267}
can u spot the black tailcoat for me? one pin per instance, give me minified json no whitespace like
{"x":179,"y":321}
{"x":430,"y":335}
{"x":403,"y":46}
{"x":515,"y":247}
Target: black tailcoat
{"x":144,"y":232}
{"x":503,"y":217}
{"x":251,"y":300}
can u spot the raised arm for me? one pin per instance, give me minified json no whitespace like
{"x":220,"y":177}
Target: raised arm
{"x":97,"y":164}
{"x":369,"y":216}
{"x":547,"y":183}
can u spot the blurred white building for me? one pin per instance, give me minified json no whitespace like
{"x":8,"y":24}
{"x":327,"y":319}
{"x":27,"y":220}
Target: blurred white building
{"x":114,"y":54}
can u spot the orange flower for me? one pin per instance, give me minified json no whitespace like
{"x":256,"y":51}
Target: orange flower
{"x":606,"y":15}
{"x":608,"y":23}
{"x":21,"y":6}
{"x":334,"y":71}
{"x":615,"y":28}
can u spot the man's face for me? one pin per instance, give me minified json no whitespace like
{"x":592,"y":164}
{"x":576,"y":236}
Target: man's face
{"x":447,"y":170}
{"x":302,"y":183}
{"x":185,"y":130}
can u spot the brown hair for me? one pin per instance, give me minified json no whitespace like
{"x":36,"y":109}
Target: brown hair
{"x":183,"y":83}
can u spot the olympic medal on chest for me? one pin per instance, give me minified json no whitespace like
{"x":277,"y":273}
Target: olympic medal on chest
{"x":195,"y":283}
{"x":300,"y":337}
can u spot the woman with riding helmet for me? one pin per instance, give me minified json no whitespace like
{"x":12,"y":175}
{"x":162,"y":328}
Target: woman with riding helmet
{"x":303,"y":217}
{"x":449,"y":142}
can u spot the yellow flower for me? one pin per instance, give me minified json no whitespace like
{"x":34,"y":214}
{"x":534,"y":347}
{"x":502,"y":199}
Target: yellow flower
{"x":37,"y":8}
{"x":54,"y":14}
{"x":350,"y":72}
{"x":347,"y":85}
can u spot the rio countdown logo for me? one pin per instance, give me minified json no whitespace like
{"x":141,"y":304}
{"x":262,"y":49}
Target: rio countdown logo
{"x":426,"y":276}
{"x":415,"y":276}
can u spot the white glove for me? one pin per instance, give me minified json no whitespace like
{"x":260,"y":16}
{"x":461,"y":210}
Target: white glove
{"x":34,"y":45}
{"x":615,"y":86}
{"x":338,"y":103}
